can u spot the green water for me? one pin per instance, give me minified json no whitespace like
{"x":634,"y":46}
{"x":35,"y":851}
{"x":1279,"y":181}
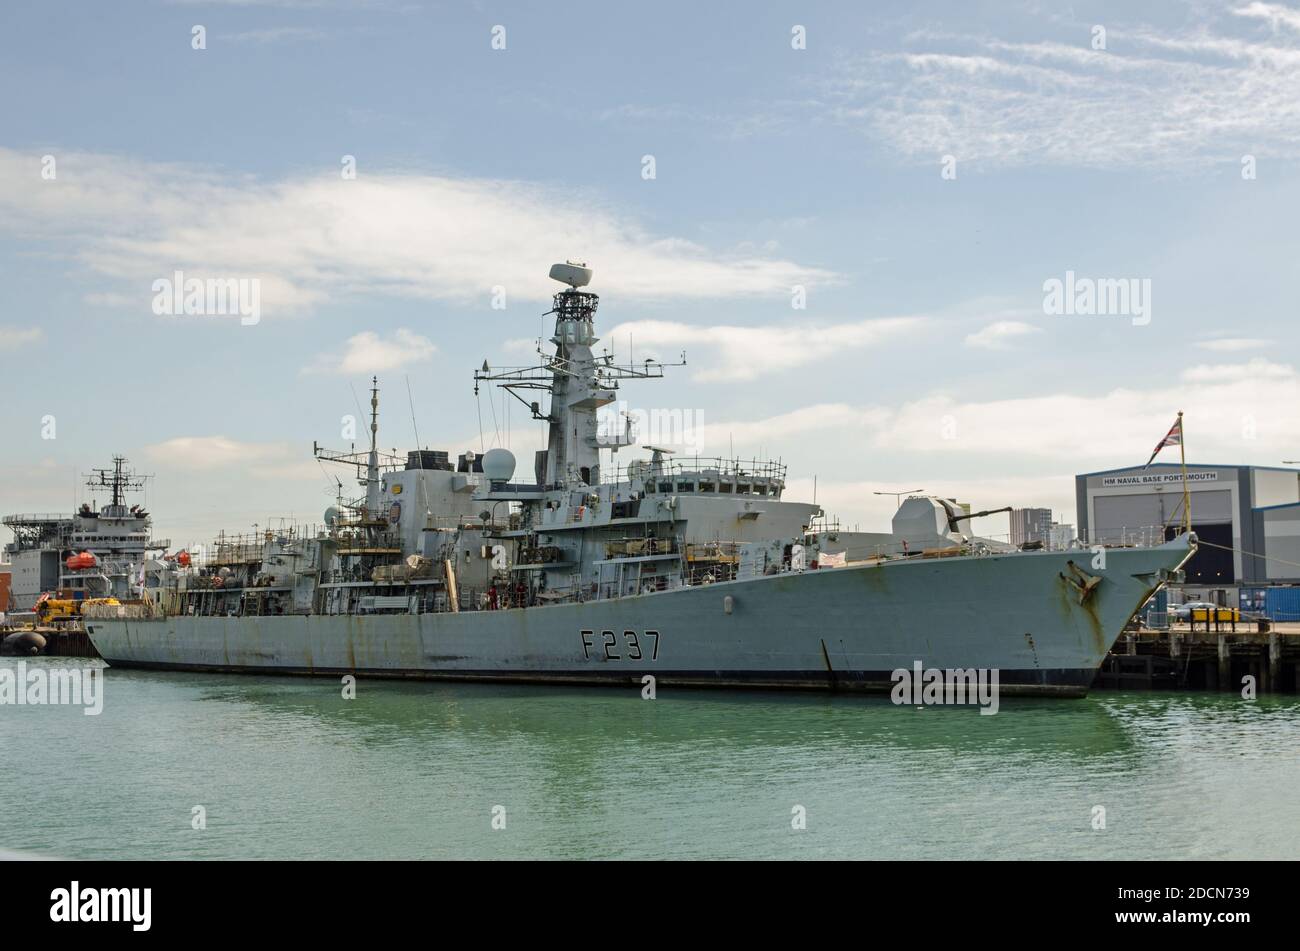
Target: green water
{"x":286,"y":768}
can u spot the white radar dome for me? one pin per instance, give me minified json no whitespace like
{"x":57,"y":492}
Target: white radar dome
{"x":498,"y":465}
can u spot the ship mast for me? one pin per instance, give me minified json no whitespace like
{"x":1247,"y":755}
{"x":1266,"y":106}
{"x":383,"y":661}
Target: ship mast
{"x":578,"y":382}
{"x":119,"y":480}
{"x":367,"y":464}
{"x":372,"y":463}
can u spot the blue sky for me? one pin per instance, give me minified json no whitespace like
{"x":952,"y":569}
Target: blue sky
{"x":923,"y":357}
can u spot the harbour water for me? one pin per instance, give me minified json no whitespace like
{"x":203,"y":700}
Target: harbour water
{"x":288,"y":768}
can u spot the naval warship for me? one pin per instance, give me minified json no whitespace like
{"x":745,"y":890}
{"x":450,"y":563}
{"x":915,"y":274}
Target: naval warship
{"x":696,"y":571}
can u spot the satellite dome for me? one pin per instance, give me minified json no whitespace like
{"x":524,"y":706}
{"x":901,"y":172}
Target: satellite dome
{"x":499,"y":465}
{"x":331,"y":516}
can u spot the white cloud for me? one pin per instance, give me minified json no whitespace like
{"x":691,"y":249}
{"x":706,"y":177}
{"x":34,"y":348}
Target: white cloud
{"x":367,"y":352}
{"x":274,"y":35}
{"x":1232,"y":411}
{"x":1228,"y":372}
{"x":1233,"y":344}
{"x":1000,"y":334}
{"x":747,"y":353}
{"x":715,"y":438}
{"x":316,"y":237}
{"x":260,"y":460}
{"x":212,"y":452}
{"x":966,"y":448}
{"x":12,"y":339}
{"x":1276,"y":14}
{"x":1154,"y":98}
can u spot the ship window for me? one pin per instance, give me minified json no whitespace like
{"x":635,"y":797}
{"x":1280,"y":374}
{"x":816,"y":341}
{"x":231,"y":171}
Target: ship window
{"x":665,"y":486}
{"x":725,"y":488}
{"x":742,"y":489}
{"x":685,"y":486}
{"x":760,"y":490}
{"x":707,"y":487}
{"x":650,"y":487}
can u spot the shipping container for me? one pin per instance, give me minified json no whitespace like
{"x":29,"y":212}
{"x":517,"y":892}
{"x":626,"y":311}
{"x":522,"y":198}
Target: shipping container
{"x":1282,"y":604}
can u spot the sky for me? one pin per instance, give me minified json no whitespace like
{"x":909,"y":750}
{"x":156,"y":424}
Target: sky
{"x":849,"y":218}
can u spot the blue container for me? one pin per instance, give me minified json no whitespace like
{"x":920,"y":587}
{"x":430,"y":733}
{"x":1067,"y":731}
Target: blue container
{"x":1282,"y":604}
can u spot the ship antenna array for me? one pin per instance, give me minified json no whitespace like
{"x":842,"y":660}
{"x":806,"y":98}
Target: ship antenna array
{"x":570,"y":304}
{"x":119,"y":480}
{"x":360,"y":460}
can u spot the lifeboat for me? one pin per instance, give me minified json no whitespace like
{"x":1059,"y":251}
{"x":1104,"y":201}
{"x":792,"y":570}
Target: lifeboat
{"x":81,"y":562}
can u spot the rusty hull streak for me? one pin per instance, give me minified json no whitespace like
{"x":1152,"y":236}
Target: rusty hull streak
{"x":830,"y":671}
{"x":1029,"y":639}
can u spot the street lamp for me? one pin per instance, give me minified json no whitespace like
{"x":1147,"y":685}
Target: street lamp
{"x":898,"y":496}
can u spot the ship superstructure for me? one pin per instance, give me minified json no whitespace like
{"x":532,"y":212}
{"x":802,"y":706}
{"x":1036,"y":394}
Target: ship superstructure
{"x":698,"y":571}
{"x":97,"y":552}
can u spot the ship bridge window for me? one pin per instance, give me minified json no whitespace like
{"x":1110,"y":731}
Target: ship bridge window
{"x":665,"y":486}
{"x":650,"y":487}
{"x":742,"y":489}
{"x":760,"y":490}
{"x":725,"y":488}
{"x":685,"y":486}
{"x":707,"y":487}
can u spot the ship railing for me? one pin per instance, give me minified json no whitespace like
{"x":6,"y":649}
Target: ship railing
{"x":457,"y":522}
{"x":1130,"y":536}
{"x":36,"y":518}
{"x":133,"y":610}
{"x":234,"y":554}
{"x":730,"y":469}
{"x":716,"y":551}
{"x":639,"y":547}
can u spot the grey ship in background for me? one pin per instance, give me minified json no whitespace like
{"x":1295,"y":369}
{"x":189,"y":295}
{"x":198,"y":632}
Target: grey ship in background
{"x":97,"y":552}
{"x":697,"y":571}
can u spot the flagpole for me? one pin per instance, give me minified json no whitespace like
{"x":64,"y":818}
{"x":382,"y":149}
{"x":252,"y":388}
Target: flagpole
{"x":1182,"y":454}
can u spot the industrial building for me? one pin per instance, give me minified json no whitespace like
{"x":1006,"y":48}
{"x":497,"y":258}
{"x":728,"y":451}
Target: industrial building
{"x":1030,"y":525}
{"x":1246,"y":517}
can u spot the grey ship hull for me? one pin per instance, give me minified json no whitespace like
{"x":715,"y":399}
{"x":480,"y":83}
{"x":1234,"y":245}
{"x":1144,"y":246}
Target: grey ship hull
{"x":840,"y":628}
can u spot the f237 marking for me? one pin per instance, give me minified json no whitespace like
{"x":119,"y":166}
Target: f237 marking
{"x":609,"y":641}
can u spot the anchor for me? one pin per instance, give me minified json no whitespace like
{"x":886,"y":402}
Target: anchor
{"x":1082,"y":582}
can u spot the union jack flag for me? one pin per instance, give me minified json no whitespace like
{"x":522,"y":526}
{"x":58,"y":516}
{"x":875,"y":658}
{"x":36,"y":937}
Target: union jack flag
{"x":1172,"y":438}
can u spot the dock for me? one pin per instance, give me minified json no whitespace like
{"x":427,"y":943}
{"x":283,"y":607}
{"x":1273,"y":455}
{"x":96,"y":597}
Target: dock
{"x":61,"y":641}
{"x":1186,"y":658}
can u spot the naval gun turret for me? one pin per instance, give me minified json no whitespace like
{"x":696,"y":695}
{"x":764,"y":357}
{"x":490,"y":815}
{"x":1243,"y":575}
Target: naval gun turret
{"x":927,"y":522}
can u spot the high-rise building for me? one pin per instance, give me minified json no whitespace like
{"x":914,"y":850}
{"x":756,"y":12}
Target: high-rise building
{"x":1059,"y":536}
{"x":1030,"y":525}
